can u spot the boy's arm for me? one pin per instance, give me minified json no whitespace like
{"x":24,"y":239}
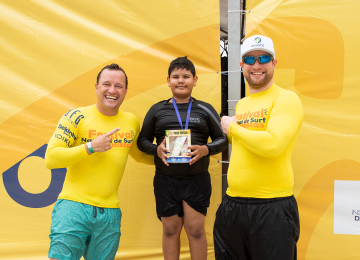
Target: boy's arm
{"x":218,"y":138}
{"x":146,"y":136}
{"x":219,"y":141}
{"x":136,"y":154}
{"x":284,"y":121}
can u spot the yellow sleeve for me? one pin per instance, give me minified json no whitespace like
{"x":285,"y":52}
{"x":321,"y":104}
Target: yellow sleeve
{"x":229,"y":137}
{"x":284,"y":121}
{"x":60,"y":152}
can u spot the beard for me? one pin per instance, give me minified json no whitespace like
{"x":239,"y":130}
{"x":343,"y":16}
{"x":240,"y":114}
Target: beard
{"x":258,"y":83}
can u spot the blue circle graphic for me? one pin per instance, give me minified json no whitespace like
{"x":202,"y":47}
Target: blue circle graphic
{"x":30,"y":200}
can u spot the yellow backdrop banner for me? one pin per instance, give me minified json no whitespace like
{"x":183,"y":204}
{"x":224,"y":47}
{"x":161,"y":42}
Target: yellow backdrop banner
{"x":315,"y":44}
{"x":51,"y":52}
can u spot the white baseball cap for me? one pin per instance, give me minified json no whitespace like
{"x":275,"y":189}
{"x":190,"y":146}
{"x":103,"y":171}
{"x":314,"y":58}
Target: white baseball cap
{"x":257,"y":42}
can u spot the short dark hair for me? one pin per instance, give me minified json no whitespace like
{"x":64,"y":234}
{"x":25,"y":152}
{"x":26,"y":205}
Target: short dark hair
{"x":182,"y":63}
{"x":112,"y":66}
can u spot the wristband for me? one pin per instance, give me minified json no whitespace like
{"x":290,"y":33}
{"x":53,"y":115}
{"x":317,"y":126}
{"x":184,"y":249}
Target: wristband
{"x":90,"y":148}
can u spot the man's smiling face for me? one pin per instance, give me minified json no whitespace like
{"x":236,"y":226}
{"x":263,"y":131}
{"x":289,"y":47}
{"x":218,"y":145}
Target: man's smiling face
{"x":258,"y":75}
{"x":110,"y":91}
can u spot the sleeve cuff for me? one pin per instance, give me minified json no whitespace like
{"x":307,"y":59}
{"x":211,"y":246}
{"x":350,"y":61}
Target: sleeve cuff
{"x":83,"y":151}
{"x":231,"y":126}
{"x":209,"y":150}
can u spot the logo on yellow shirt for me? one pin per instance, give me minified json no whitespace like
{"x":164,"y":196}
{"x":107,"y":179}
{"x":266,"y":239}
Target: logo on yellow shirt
{"x":255,"y":119}
{"x":119,"y":139}
{"x":73,"y":118}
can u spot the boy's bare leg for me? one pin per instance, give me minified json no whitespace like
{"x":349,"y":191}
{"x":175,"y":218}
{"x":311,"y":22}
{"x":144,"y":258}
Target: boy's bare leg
{"x":194,"y":226}
{"x":171,"y":237}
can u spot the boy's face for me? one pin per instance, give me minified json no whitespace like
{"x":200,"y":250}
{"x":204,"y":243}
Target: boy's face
{"x":181,"y":83}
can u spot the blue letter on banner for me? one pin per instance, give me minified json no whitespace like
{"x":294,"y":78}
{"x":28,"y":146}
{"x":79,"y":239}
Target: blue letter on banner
{"x":40,"y":200}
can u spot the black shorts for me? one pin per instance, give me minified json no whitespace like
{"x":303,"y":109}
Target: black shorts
{"x":256,"y":229}
{"x":171,"y":191}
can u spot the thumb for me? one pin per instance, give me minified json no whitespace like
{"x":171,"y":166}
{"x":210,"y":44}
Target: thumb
{"x":192,"y":147}
{"x":112,"y":132}
{"x":163,"y":143}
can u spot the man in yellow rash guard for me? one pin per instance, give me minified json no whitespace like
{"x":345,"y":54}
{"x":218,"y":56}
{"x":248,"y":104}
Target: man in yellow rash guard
{"x":258,"y":218}
{"x":93,"y":143}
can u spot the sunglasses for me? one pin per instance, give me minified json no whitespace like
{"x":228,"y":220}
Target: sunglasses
{"x":250,"y":60}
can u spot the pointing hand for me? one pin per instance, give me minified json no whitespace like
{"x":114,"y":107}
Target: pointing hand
{"x":102,"y":143}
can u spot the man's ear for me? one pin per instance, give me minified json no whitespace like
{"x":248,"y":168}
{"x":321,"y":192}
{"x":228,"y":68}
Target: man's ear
{"x":241,"y":64}
{"x":274,"y":62}
{"x":168,"y":80}
{"x":96,"y":87}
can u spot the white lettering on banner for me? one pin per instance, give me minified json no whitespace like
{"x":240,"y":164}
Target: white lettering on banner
{"x":347,"y":207}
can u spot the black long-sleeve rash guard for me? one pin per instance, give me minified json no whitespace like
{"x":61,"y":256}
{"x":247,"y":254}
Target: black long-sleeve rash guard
{"x":204,"y":122}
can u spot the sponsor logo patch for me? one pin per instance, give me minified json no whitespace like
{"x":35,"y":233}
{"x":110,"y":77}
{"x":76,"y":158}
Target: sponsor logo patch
{"x":347,"y":207}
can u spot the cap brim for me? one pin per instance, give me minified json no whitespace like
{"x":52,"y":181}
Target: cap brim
{"x":258,"y":49}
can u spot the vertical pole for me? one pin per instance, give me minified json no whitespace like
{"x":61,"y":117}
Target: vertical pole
{"x":234,"y":31}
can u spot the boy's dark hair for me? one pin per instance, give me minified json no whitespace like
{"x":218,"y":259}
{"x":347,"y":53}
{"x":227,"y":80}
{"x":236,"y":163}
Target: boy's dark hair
{"x":112,"y":66}
{"x":182,"y":63}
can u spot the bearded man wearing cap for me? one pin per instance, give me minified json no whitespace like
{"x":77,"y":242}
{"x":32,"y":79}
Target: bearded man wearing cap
{"x":258,"y":217}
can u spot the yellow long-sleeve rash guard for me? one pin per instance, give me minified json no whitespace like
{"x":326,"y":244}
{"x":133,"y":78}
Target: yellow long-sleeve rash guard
{"x":263,"y":139}
{"x":93,"y":179}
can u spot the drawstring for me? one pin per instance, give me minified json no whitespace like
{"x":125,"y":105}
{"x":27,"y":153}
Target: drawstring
{"x":95,"y":211}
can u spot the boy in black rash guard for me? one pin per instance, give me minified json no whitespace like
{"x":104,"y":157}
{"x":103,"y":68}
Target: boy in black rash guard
{"x":183,"y":190}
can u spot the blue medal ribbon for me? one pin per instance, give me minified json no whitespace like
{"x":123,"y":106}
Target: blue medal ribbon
{"x":178,"y":114}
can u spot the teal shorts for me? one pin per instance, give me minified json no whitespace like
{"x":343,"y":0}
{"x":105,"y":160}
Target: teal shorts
{"x":79,"y":229}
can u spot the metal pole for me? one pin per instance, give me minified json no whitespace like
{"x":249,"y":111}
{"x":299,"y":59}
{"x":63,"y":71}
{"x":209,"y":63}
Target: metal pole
{"x":234,"y":31}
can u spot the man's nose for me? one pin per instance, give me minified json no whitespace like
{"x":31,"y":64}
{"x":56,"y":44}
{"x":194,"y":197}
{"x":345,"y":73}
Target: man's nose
{"x":181,"y":79}
{"x":112,"y":89}
{"x":257,"y":64}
